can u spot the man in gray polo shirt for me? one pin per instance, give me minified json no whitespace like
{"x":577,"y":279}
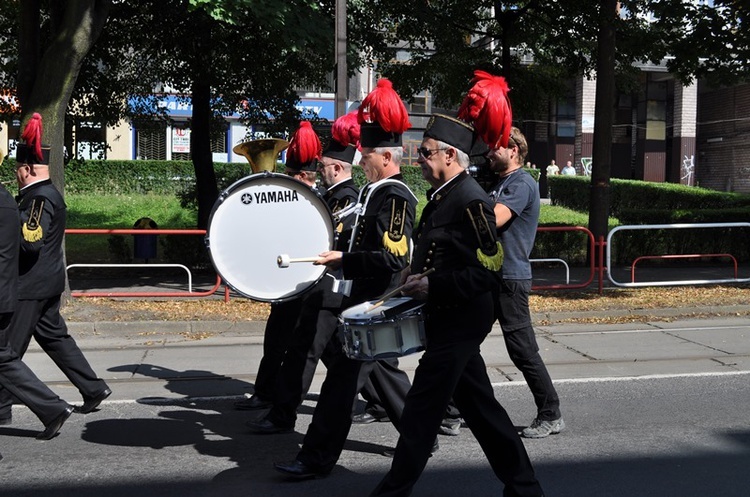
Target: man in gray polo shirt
{"x":516,"y":198}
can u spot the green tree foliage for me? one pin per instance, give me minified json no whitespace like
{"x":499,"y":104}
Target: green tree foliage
{"x":42,"y":56}
{"x":250,"y":63}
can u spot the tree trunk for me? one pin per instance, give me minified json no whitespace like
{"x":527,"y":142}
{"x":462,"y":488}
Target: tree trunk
{"x":200,"y":136}
{"x":200,"y":147}
{"x":47,"y":86}
{"x":605,"y":98}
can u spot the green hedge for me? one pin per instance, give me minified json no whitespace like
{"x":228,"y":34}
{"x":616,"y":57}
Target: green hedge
{"x":177,"y":177}
{"x":631,"y":195}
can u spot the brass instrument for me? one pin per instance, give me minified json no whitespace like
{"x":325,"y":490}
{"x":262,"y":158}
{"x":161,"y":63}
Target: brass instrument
{"x":261,"y":154}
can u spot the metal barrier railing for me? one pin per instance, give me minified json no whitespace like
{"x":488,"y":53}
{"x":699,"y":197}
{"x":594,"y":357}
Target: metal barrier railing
{"x":561,"y":261}
{"x":598,"y":251}
{"x":670,"y":227}
{"x":592,"y":267}
{"x":189,"y":274}
{"x":680,"y":256}
{"x":190,"y":293}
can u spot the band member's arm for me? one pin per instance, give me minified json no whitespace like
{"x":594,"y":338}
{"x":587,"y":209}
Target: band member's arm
{"x":390,"y":252}
{"x":482,"y":259}
{"x":35,"y":224}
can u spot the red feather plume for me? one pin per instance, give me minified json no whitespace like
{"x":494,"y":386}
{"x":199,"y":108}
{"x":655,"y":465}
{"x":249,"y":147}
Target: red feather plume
{"x":32,"y":134}
{"x":487,"y":108}
{"x":384,"y":106}
{"x":305,"y":144}
{"x":345,"y":129}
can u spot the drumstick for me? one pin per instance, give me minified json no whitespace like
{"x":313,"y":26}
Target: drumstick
{"x":284,"y":260}
{"x":396,"y":290}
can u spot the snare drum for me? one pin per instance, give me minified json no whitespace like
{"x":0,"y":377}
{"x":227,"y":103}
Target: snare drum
{"x":394,"y":329}
{"x":260,"y":217}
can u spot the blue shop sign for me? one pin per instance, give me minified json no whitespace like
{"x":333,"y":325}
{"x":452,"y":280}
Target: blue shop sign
{"x":183,"y":107}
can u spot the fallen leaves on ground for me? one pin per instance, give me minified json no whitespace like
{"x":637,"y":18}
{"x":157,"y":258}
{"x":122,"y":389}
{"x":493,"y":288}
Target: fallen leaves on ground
{"x":240,"y":309}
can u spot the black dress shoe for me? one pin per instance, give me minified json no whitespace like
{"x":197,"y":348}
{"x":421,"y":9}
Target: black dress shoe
{"x":252,"y":404}
{"x":51,"y":429}
{"x":90,"y":404}
{"x":266,"y":427}
{"x":366,"y":418}
{"x":299,"y":470}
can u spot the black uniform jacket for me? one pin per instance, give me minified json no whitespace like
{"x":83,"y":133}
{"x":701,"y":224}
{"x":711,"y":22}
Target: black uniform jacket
{"x":10,"y":235}
{"x":41,"y":270}
{"x":457,"y":223}
{"x":339,"y":197}
{"x":374,"y":263}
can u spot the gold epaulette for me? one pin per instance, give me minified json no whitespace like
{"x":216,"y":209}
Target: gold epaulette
{"x":394,"y":240}
{"x":489,"y":252}
{"x":32,"y":229}
{"x":491,"y":262}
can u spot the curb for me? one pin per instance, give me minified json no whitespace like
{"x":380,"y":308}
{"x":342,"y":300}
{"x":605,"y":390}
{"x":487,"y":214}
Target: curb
{"x":155,"y":334}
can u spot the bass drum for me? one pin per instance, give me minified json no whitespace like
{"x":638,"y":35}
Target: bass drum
{"x":259,"y":218}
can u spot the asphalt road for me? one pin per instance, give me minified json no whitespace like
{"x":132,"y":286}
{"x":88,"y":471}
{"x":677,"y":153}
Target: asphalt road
{"x":652,"y":410}
{"x":666,"y":436}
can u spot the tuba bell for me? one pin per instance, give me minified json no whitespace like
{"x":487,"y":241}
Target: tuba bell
{"x":261,"y":154}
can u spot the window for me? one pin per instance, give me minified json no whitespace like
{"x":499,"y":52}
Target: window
{"x":566,"y":117}
{"x":151,"y":142}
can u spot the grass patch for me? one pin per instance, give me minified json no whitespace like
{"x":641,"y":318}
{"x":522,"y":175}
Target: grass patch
{"x":121,"y":211}
{"x":556,"y":215}
{"x":118,"y":212}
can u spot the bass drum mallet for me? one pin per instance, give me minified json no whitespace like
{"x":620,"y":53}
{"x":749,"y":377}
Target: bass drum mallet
{"x":284,"y":260}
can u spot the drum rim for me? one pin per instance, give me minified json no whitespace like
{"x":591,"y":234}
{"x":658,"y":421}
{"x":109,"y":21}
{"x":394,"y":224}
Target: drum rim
{"x":226,"y":193}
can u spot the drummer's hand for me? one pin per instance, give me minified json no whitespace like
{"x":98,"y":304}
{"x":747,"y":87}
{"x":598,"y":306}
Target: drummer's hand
{"x":416,"y":287}
{"x":404,"y":274}
{"x":332,"y":259}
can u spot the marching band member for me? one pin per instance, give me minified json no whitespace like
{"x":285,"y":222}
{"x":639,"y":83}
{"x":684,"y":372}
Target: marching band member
{"x":301,"y":163}
{"x":319,"y":311}
{"x":42,"y":274}
{"x":379,"y":251}
{"x":456,"y":236}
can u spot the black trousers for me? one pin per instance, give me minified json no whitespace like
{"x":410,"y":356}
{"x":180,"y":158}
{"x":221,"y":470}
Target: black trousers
{"x":512,"y":311}
{"x":332,"y":419}
{"x":314,"y":339}
{"x":42,"y":320}
{"x":276,"y":339}
{"x":457,"y":369}
{"x":19,"y":381}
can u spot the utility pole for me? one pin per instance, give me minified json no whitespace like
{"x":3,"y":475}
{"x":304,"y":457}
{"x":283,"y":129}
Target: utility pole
{"x":340,"y":55}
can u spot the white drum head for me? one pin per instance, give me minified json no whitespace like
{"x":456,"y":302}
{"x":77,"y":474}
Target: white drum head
{"x":259,"y":218}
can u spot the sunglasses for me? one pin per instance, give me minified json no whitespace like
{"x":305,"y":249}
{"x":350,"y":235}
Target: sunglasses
{"x":426,"y":153}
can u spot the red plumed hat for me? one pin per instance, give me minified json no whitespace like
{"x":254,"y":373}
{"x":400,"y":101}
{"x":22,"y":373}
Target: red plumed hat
{"x":305,"y":148}
{"x":345,"y":129}
{"x":31,"y":151}
{"x":344,"y":138}
{"x":383,"y":117}
{"x":487,"y":107}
